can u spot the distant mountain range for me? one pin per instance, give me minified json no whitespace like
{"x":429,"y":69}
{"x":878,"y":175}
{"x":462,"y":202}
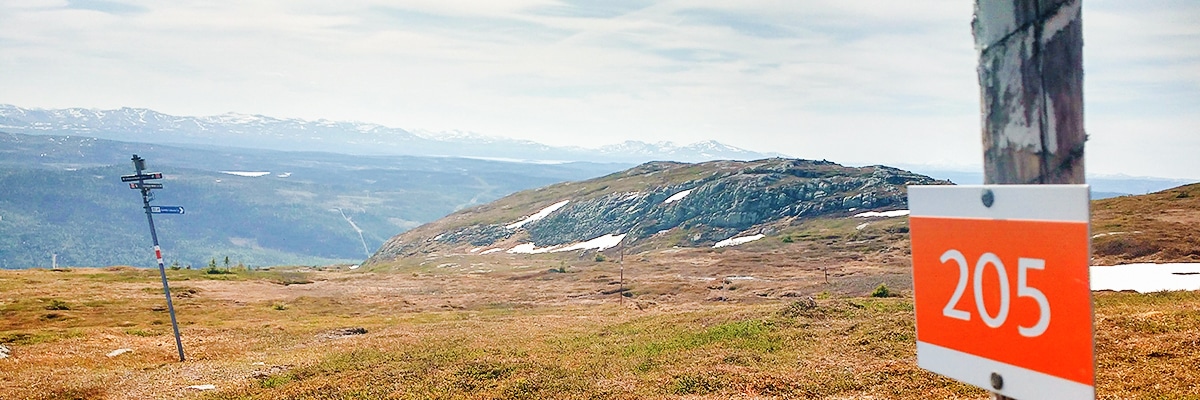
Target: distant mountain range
{"x":358,"y":138}
{"x":1103,"y":186}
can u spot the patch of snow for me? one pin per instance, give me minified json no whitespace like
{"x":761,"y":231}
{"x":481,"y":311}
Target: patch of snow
{"x":630,"y":196}
{"x":285,"y":175}
{"x":1100,"y":235}
{"x":355,"y":266}
{"x":539,"y":215}
{"x":202,"y":387}
{"x":884,"y":214}
{"x":739,"y":278}
{"x":118,"y":352}
{"x":530,"y":248}
{"x":861,"y":226}
{"x":738,"y":240}
{"x":258,"y":363}
{"x":1146,"y":278}
{"x":476,"y":250}
{"x":677,"y":196}
{"x":490,"y":251}
{"x":252,"y":174}
{"x":601,"y":243}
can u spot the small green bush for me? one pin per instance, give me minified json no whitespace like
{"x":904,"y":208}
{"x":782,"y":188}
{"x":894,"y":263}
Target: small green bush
{"x":56,"y":304}
{"x":275,"y":381}
{"x":696,"y":384}
{"x":217,"y":271}
{"x":600,"y":257}
{"x":881,"y":291}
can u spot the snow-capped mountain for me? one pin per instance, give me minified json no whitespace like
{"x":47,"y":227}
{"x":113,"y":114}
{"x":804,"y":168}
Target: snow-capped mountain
{"x":264,"y":132}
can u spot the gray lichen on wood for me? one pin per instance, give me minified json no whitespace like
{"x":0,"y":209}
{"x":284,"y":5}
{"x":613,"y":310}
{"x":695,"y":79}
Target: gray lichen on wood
{"x":1031,"y":81}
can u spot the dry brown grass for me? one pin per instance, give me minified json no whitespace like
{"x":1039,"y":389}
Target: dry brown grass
{"x":1157,"y":227}
{"x":518,"y":326}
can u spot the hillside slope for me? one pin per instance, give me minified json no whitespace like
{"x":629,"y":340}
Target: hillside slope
{"x":1156,"y":227}
{"x":678,"y":204}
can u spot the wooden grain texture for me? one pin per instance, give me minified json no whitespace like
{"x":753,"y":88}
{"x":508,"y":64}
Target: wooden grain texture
{"x":1031,"y":84}
{"x":1031,"y":87}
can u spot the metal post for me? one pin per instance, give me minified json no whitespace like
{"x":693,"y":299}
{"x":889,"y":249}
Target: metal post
{"x":1031,"y":84}
{"x":139,"y":165}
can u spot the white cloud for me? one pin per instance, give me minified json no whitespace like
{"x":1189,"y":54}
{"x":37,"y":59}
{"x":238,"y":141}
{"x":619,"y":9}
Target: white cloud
{"x":858,"y":82}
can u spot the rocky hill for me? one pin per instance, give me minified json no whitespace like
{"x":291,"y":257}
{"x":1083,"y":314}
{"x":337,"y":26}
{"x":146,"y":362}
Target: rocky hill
{"x":678,"y":204}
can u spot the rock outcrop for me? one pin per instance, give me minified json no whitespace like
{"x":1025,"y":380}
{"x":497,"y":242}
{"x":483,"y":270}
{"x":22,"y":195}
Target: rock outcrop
{"x":710,"y":202}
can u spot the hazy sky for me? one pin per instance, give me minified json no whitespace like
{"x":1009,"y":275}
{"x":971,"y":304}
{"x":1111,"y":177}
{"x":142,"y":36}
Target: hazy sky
{"x":868,"y":81}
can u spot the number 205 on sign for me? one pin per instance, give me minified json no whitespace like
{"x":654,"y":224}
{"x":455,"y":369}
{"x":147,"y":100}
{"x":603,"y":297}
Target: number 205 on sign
{"x":1000,"y":283}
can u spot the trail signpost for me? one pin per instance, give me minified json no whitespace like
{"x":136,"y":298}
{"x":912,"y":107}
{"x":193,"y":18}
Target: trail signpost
{"x":1000,"y":280}
{"x":1000,"y":272}
{"x":138,"y":180}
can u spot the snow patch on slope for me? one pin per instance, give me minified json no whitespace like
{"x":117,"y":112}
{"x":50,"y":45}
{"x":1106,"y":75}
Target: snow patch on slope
{"x":677,"y":196}
{"x":539,"y":215}
{"x":601,"y":243}
{"x":738,"y":240}
{"x":1146,"y":278}
{"x":884,"y":214}
{"x":530,"y":248}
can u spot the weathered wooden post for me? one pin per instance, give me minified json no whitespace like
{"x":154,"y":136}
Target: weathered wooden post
{"x":1031,"y":85}
{"x":1031,"y":81}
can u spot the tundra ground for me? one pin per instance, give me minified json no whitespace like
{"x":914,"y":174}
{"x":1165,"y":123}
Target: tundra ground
{"x":691,"y":324}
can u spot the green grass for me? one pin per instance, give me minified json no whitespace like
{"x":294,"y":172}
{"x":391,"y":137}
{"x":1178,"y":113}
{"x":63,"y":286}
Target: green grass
{"x":31,"y":337}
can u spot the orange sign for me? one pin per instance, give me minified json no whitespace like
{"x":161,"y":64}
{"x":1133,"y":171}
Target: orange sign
{"x":1002,"y":303}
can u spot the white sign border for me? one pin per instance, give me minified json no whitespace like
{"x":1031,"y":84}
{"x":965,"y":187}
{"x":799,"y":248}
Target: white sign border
{"x":1019,"y":383}
{"x":1058,"y":203}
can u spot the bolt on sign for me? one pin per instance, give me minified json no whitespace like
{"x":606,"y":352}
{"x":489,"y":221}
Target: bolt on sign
{"x":1000,"y":281}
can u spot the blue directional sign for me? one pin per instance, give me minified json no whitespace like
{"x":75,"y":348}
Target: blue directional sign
{"x":166,"y":209}
{"x":145,"y":186}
